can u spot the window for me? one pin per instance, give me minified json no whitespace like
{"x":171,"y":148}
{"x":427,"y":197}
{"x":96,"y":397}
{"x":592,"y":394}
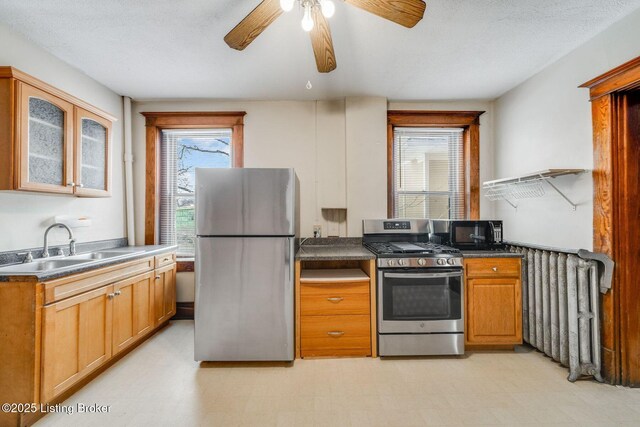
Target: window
{"x":181,"y":151}
{"x":428,"y":173}
{"x":177,"y":143}
{"x":433,"y":160}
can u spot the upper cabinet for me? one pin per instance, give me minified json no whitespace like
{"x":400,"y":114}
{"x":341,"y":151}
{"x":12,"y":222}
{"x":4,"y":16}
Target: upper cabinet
{"x":51,"y":142}
{"x":92,"y":154}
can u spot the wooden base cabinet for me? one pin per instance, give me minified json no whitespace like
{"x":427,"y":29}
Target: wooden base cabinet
{"x":335,"y":313}
{"x":164,"y":293}
{"x":55,"y":334}
{"x":132,"y":310}
{"x":493,"y":295}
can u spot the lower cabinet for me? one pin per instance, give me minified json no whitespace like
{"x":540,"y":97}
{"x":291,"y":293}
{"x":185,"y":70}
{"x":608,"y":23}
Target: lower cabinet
{"x":76,"y":339}
{"x":81,"y":333}
{"x":132,"y":310}
{"x":164,"y":293}
{"x":493,"y":291}
{"x":335,"y":313}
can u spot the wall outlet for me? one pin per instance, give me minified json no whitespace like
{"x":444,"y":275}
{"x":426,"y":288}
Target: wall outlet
{"x":317,"y":230}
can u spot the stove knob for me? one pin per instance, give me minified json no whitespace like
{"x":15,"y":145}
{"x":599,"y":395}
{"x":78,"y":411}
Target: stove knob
{"x":391,"y":262}
{"x":441,"y":261}
{"x":402,"y":262}
{"x":451,"y":261}
{"x":422,"y":261}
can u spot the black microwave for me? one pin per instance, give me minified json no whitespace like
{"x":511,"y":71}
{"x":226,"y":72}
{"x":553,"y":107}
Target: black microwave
{"x":476,"y":234}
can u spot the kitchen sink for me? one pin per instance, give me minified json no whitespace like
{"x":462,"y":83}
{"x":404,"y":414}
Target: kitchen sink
{"x":46,"y":265}
{"x":100,"y":255}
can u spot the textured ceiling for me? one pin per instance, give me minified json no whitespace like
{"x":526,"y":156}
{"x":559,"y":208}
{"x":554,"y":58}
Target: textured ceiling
{"x":463,"y":49}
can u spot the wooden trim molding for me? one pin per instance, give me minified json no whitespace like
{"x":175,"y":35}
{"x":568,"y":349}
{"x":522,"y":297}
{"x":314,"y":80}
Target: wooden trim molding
{"x":615,"y":106}
{"x":469,"y":121}
{"x":157,"y":121}
{"x":624,"y":77}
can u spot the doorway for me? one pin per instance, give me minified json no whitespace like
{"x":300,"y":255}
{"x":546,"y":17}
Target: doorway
{"x":615,"y":99}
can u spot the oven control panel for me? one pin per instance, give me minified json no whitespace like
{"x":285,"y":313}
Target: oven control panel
{"x":419,"y":262}
{"x":397,"y":225}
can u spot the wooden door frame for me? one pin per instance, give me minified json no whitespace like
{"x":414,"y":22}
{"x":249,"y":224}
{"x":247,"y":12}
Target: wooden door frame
{"x":611,"y":214}
{"x":469,"y":121}
{"x":155,"y":122}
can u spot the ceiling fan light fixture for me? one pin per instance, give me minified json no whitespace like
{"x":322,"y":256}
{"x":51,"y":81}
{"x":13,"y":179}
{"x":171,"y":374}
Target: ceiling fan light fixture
{"x":328,"y":8}
{"x":287,"y":5}
{"x":307,"y":20}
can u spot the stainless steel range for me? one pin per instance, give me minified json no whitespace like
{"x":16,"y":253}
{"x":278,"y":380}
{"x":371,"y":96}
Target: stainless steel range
{"x":420,"y":290}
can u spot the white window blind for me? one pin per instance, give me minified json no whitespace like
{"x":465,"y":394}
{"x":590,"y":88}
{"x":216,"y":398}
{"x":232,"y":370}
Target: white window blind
{"x":183,"y":150}
{"x":428,"y":173}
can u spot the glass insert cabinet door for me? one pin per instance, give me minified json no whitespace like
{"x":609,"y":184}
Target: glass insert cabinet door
{"x":92,"y":154}
{"x":46,"y":142}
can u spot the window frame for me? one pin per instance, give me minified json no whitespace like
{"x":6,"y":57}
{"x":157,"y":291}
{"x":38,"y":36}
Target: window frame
{"x":155,"y":123}
{"x":469,"y":121}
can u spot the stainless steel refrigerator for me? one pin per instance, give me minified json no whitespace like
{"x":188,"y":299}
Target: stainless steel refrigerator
{"x":246,"y":223}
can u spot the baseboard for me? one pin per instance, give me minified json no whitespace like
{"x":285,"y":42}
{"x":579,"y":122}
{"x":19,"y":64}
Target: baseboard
{"x":184,"y":311}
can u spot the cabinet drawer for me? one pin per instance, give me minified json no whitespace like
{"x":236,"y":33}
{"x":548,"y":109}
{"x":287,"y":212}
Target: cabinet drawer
{"x":334,"y":298}
{"x":165,"y":259}
{"x":335,"y":335}
{"x":483,"y":267}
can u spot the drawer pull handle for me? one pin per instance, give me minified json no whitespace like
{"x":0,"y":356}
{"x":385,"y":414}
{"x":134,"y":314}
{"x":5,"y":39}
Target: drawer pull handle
{"x":165,"y":259}
{"x":494,"y":268}
{"x":335,"y":333}
{"x":335,"y":299}
{"x":157,"y":277}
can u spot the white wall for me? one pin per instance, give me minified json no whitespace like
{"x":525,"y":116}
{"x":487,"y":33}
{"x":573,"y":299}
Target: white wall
{"x":314,"y":138}
{"x":487,"y":208}
{"x":546,"y":123}
{"x":24,"y":216}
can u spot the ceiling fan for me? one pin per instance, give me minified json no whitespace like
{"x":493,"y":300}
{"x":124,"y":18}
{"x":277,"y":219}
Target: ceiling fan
{"x":404,"y":12}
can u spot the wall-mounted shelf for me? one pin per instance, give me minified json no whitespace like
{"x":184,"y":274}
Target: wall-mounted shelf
{"x":527,"y":186}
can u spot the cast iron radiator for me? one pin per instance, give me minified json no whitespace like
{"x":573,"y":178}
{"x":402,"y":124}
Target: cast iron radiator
{"x":561,"y":305}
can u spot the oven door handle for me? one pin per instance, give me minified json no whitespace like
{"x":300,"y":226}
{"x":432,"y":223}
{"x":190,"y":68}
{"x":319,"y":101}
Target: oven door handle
{"x":421,"y":275}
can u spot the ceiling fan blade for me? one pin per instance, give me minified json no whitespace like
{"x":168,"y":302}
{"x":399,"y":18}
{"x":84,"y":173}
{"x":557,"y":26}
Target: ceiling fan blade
{"x":322,"y":43}
{"x":404,"y":12}
{"x":253,"y":24}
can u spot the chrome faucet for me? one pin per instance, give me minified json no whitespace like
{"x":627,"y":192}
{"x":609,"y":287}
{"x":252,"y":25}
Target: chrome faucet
{"x":72,"y":241}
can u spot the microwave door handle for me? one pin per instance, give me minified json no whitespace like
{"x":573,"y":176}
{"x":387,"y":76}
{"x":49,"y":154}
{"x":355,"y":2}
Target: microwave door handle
{"x":493,"y":232}
{"x":421,"y":276}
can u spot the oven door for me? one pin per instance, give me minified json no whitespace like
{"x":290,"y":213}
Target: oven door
{"x":420,"y":301}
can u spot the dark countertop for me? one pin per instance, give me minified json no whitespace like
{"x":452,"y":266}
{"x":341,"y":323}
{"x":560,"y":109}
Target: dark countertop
{"x":333,"y":252}
{"x":491,"y":254}
{"x":130,"y":253}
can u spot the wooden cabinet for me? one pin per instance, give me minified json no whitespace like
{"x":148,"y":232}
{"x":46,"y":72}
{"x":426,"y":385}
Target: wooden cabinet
{"x":164,"y":293}
{"x":335,"y":313}
{"x":132,"y":310}
{"x":56,"y":334}
{"x":493,"y":300}
{"x":92,"y":175}
{"x":76,"y":339}
{"x":50,"y":141}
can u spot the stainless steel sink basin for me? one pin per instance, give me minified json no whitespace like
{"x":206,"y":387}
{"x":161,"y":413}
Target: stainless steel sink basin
{"x":46,"y":265}
{"x":100,"y":255}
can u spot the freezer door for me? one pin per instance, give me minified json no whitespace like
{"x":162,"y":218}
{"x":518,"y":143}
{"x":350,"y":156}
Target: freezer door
{"x":245,"y":202}
{"x":244,"y":299}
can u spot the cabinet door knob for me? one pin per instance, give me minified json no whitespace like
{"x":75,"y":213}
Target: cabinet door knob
{"x":80,"y":185}
{"x":335,"y":299}
{"x":117,"y":293}
{"x":335,"y":333}
{"x":110,"y":296}
{"x":495,"y":268}
{"x":157,"y":277}
{"x":71,"y":184}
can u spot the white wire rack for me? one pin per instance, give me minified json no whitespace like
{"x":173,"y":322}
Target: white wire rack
{"x":527,"y":186}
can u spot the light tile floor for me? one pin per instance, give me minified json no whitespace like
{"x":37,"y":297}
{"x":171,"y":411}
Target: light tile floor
{"x":159,"y":384}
